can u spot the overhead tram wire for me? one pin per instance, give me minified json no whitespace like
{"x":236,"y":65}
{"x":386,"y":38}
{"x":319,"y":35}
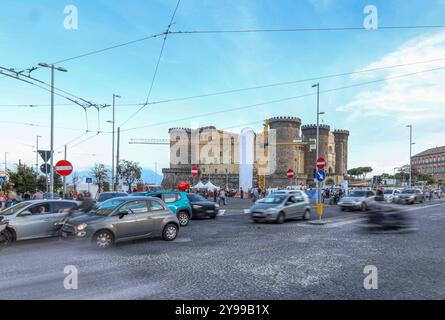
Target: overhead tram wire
{"x":157,"y":65}
{"x":283,"y":99}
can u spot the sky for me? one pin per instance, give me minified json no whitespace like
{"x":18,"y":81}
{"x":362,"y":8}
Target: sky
{"x":376,"y":114}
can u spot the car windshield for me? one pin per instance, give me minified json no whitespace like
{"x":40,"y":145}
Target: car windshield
{"x":273,"y":199}
{"x":14,"y":209}
{"x":387,"y":191}
{"x":409,"y":191}
{"x":105,"y":208}
{"x":357,"y":193}
{"x":195,"y":197}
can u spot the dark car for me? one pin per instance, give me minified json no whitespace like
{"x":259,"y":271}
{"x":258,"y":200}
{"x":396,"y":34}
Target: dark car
{"x":201,"y":207}
{"x":110,"y":195}
{"x":123,"y":219}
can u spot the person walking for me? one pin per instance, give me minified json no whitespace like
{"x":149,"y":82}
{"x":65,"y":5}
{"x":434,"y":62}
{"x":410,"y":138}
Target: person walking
{"x":215,"y":195}
{"x":11,"y":199}
{"x":241,"y":192}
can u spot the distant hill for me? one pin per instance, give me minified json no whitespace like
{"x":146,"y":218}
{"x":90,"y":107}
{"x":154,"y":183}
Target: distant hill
{"x":148,"y":176}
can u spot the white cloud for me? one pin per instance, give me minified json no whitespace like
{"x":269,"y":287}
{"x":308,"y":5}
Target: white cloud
{"x":419,"y":97}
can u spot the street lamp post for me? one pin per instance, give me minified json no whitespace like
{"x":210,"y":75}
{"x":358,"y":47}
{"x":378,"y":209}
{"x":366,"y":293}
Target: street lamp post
{"x":317,"y":85}
{"x":52,"y":67}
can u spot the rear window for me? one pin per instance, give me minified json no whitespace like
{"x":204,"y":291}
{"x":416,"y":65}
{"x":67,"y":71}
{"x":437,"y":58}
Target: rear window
{"x":106,"y":196}
{"x":171,"y":197}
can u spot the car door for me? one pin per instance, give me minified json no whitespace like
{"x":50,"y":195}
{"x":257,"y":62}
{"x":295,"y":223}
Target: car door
{"x":171,"y":200}
{"x":34,"y":222}
{"x":136,"y":222}
{"x":300,"y":205}
{"x":157,"y":215}
{"x":291,"y":207}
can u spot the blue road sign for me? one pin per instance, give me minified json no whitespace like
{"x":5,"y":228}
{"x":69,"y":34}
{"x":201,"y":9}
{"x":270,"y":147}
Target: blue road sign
{"x":2,"y":179}
{"x":321,"y":175}
{"x":89,"y":180}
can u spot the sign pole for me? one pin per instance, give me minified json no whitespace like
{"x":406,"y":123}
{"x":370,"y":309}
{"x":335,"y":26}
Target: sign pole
{"x":64,"y":180}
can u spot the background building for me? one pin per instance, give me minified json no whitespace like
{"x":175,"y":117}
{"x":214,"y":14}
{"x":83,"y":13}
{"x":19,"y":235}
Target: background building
{"x":431,"y":162}
{"x":295,"y":149}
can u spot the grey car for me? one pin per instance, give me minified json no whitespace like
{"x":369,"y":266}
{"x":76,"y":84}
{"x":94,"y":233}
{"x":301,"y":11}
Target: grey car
{"x":122,"y":219}
{"x":36,"y":219}
{"x":277,"y":207}
{"x":409,"y":196}
{"x":358,"y":200}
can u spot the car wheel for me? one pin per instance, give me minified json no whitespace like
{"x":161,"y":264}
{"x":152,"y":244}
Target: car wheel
{"x":307,"y":215}
{"x":183,"y":218}
{"x":280,"y":218}
{"x":170,"y":232}
{"x":342,"y":209}
{"x":103,"y":239}
{"x":363,"y":207}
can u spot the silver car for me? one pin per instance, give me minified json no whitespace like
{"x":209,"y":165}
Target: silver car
{"x":123,"y":219}
{"x":35,"y":219}
{"x":277,"y":207}
{"x":358,"y":200}
{"x":410,"y":196}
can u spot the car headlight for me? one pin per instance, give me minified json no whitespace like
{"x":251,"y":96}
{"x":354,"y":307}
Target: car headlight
{"x":216,"y":206}
{"x":81,"y":227}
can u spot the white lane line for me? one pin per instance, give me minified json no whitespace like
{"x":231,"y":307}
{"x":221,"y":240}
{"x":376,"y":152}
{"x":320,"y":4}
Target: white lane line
{"x":221,"y":213}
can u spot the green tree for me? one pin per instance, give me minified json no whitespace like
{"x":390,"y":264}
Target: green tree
{"x":23,"y":179}
{"x":130,"y":172}
{"x":100,"y":175}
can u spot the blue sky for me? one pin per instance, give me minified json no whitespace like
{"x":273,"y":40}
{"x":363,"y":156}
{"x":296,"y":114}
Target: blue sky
{"x":33,"y":32}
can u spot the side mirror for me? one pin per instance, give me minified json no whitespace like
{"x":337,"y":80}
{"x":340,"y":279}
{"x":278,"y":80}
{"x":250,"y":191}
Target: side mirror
{"x":25,"y":213}
{"x":123,"y":213}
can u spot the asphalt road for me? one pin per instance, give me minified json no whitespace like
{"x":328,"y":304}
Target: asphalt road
{"x":232,"y":258}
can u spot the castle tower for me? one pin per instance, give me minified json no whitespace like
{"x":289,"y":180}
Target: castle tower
{"x":180,"y":135}
{"x":341,"y":152}
{"x":286,"y":129}
{"x":309,"y":133}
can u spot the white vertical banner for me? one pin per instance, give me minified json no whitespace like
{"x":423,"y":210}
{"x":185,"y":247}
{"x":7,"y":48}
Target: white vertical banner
{"x":246,"y":145}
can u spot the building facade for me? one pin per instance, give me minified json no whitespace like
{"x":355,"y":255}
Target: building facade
{"x":431,"y":162}
{"x":216,"y":154}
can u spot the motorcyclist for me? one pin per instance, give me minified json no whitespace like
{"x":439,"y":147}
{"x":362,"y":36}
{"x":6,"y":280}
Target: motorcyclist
{"x":386,"y":215}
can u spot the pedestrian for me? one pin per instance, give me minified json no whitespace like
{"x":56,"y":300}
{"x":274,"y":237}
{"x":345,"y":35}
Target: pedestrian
{"x":241,"y":192}
{"x":38,"y":195}
{"x":26,"y":197}
{"x":11,"y":199}
{"x":431,"y":194}
{"x":215,"y":195}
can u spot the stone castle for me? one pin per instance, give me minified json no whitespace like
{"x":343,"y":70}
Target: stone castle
{"x":295,"y":149}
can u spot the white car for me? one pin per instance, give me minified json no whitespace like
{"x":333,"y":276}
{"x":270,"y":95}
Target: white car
{"x":389,"y":194}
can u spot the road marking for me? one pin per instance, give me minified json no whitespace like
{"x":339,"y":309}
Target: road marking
{"x":221,"y":213}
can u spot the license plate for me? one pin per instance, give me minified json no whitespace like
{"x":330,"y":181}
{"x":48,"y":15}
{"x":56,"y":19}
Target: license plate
{"x":210,"y":211}
{"x":257,"y":214}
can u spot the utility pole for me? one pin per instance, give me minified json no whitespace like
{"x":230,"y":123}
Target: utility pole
{"x":37,"y":160}
{"x":117,"y":154}
{"x":112,"y":148}
{"x":52,"y":67}
{"x":410,"y":126}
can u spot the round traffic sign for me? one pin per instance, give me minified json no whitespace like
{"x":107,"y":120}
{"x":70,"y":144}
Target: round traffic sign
{"x":321,"y":163}
{"x":45,"y":168}
{"x":290,"y":174}
{"x":64,"y":168}
{"x":194,"y":171}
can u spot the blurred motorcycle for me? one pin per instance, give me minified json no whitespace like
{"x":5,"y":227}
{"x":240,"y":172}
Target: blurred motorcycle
{"x":4,"y":236}
{"x":387,"y":216}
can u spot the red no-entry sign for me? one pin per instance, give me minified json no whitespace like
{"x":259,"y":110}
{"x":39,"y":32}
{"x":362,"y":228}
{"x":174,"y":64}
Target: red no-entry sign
{"x":194,"y":171}
{"x":64,"y":168}
{"x":321,"y":163}
{"x":290,"y":174}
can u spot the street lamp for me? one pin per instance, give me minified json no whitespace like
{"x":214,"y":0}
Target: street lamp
{"x":112,"y":147}
{"x":317,"y":85}
{"x":52,"y":67}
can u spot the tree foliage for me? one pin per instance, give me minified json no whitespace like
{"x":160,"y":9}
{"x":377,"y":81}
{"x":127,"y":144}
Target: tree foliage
{"x":100,"y":175}
{"x":360,"y":172}
{"x":130,"y":172}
